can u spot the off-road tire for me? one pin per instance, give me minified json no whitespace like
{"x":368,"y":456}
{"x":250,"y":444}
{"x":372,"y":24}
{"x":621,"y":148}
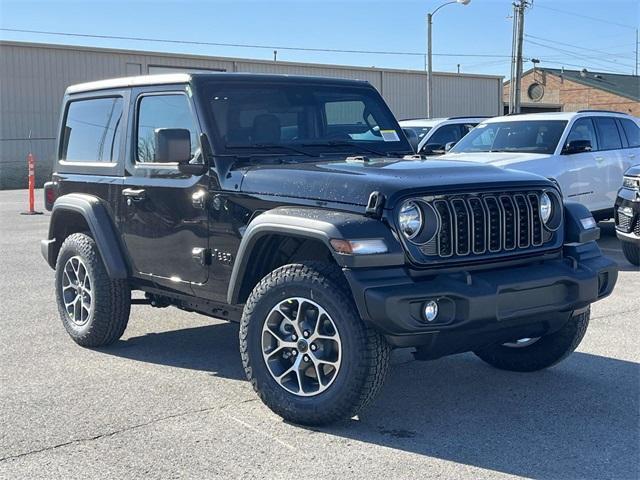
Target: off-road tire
{"x":365,"y":353}
{"x":544,"y":353}
{"x":112,"y":298}
{"x":631,"y":252}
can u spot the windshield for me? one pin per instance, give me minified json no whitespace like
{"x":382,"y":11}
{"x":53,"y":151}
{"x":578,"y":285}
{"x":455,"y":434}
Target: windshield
{"x":295,"y":119}
{"x":534,"y":136}
{"x":415,"y":135}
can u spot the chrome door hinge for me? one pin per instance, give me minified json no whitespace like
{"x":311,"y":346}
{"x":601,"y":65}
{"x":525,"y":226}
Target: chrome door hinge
{"x":201,"y":255}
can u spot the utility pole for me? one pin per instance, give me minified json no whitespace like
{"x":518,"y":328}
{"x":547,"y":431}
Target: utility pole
{"x":637,"y":43}
{"x":429,"y":68}
{"x":516,"y":56}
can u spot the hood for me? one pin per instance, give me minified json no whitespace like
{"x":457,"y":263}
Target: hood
{"x":352,"y":182}
{"x":633,"y":171}
{"x":498,"y":159}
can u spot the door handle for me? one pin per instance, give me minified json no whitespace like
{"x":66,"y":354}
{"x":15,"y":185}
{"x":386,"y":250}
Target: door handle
{"x":134,"y":195}
{"x":631,"y":155}
{"x":599,"y":159}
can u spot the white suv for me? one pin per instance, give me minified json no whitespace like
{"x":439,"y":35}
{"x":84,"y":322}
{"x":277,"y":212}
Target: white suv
{"x":431,"y":136}
{"x":585,"y":152}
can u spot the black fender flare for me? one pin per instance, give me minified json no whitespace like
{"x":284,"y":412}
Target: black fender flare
{"x":319,"y":224}
{"x":574,"y":230}
{"x":96,"y":215}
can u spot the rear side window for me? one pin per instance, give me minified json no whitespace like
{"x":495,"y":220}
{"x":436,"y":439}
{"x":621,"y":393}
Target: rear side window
{"x":632,"y":131}
{"x":608,"y":133}
{"x":92,"y":131}
{"x":162,"y":111}
{"x":467,"y":127}
{"x":445,"y":134}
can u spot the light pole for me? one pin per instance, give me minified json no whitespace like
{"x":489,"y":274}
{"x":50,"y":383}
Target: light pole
{"x":429,"y":59}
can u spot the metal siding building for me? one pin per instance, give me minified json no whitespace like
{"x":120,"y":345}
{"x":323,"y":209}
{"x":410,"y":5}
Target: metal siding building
{"x":33,"y":78}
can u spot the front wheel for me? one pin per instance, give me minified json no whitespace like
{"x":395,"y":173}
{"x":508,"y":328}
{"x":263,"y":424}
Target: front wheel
{"x":532,"y":354}
{"x":305,"y":350}
{"x":631,"y":252}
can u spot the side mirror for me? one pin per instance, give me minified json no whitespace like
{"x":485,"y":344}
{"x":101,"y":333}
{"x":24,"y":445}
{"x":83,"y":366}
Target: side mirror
{"x":433,"y":149}
{"x":577,"y":146}
{"x":449,"y":146}
{"x":173,"y":145}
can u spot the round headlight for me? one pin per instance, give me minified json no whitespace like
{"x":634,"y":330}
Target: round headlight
{"x":546,"y":207}
{"x":410,"y":219}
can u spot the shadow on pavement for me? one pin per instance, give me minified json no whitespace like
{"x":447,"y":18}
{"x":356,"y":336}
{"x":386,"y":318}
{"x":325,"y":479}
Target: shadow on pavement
{"x":210,"y":348}
{"x":577,"y":420}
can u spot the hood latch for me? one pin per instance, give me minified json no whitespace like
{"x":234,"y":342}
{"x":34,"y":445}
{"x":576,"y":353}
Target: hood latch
{"x":375,"y":205}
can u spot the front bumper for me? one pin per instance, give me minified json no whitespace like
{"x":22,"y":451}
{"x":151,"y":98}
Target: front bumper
{"x":627,"y":216}
{"x":481,"y":307}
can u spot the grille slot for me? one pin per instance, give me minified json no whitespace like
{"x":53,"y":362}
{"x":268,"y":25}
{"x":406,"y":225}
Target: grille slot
{"x":462,"y":229}
{"x":510,"y":225}
{"x":479,"y":224}
{"x":479,"y":218}
{"x":445,"y":247}
{"x":624,"y":222}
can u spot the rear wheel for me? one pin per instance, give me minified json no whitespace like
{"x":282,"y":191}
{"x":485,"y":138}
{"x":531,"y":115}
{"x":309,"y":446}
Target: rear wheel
{"x":94,"y":308}
{"x":304,"y":348}
{"x":532,"y":354}
{"x":631,"y":252}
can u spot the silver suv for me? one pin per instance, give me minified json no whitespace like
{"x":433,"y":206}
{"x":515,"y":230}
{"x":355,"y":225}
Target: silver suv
{"x":434,"y":136}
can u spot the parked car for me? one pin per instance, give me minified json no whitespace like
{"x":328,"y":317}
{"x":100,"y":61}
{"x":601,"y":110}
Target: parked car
{"x":287,"y":204}
{"x":584,"y":152}
{"x":432,"y":136}
{"x":628,"y":215}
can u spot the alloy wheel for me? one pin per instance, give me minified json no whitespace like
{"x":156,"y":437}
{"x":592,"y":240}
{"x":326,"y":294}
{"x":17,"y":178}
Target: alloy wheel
{"x":301,"y":346}
{"x":77,"y":291}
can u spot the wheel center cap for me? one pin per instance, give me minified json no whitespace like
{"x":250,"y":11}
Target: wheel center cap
{"x":303,"y":346}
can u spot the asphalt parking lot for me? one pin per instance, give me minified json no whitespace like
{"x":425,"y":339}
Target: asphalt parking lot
{"x":170,"y":401}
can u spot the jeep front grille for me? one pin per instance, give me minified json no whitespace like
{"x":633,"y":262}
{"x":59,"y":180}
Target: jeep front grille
{"x":485,"y":224}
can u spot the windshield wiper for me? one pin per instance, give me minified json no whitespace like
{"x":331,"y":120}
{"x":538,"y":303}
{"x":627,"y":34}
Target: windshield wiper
{"x":257,"y":146}
{"x":344,"y":143}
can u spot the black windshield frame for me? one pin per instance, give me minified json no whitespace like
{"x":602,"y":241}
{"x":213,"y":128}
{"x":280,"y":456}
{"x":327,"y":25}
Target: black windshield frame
{"x":207,"y":90}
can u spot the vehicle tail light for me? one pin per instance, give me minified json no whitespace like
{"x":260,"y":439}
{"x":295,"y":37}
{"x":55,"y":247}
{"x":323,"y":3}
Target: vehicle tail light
{"x":50,"y":194}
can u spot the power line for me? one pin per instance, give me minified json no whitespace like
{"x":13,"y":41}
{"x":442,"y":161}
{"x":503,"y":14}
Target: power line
{"x":595,"y":19}
{"x":569,"y":45}
{"x":543,"y":60}
{"x":580,"y":56}
{"x":246,"y":45}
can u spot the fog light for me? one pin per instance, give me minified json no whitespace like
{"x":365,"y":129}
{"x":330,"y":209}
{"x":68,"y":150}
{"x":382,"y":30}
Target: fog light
{"x":430,"y":310}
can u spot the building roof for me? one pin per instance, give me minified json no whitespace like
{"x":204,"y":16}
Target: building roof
{"x":627,"y":86}
{"x":156,"y":53}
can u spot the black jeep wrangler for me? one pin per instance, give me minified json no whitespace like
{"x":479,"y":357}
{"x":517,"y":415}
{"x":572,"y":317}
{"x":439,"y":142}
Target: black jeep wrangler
{"x":627,"y":215}
{"x":294,"y":206}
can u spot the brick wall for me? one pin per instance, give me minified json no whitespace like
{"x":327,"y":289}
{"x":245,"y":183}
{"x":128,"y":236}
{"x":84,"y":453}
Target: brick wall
{"x":573,"y":96}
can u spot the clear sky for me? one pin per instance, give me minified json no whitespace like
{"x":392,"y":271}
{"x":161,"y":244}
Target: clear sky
{"x":592,"y":34}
